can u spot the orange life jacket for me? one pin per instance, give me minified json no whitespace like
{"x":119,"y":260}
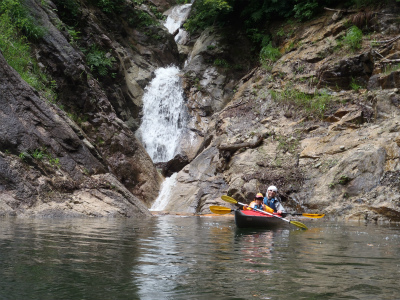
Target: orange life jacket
{"x":264,"y":207}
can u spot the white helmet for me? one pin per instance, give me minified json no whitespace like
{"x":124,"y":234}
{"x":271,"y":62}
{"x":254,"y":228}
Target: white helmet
{"x":272,"y":188}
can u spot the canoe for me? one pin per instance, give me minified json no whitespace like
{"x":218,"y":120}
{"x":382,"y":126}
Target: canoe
{"x":254,"y":219}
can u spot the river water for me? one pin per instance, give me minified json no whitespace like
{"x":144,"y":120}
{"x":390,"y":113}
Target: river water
{"x":175,"y":257}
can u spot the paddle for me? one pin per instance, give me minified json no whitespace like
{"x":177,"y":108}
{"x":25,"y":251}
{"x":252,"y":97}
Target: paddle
{"x":221,"y":210}
{"x":315,"y":216}
{"x":231,"y":200}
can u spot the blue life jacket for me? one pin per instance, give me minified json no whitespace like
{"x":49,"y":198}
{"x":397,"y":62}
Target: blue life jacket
{"x":270,"y":202}
{"x":260,"y":207}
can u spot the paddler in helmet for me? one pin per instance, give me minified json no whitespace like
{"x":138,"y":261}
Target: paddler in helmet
{"x":257,"y":203}
{"x":272,"y":201}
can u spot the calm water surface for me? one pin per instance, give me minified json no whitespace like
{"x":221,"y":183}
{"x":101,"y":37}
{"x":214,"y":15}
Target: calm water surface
{"x":170,"y":257}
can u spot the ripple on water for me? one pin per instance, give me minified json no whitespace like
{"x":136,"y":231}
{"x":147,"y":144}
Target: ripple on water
{"x":195,"y":258}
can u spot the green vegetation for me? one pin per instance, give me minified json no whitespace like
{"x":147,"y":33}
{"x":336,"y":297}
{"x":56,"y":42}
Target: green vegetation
{"x":100,"y":141}
{"x":16,"y":28}
{"x":40,"y":154}
{"x":344,"y":179}
{"x":77,"y":119}
{"x":19,"y":18}
{"x":206,"y":13}
{"x":391,"y":68}
{"x":109,"y":6}
{"x":314,"y":105}
{"x":141,"y":19}
{"x":353,"y":38}
{"x":269,"y":54}
{"x":68,"y":11}
{"x":354,"y":85}
{"x":98,"y":60}
{"x":220,"y":62}
{"x":23,"y":156}
{"x":73,"y":33}
{"x":255,"y":16}
{"x":305,"y":9}
{"x":277,"y":163}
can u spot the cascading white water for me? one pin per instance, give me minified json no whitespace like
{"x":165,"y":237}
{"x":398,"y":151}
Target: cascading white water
{"x":164,"y":115}
{"x":175,"y":20}
{"x":163,"y":198}
{"x":164,"y":111}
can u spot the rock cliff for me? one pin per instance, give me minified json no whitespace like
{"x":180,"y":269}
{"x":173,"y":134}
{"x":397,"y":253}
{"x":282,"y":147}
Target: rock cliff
{"x":82,"y":159}
{"x":321,"y":122}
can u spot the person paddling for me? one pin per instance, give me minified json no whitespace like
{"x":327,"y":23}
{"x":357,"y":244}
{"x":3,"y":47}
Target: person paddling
{"x":257,"y":203}
{"x":272,"y":201}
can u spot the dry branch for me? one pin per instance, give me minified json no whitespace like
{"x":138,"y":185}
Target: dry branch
{"x":389,"y":60}
{"x":388,"y":41}
{"x":379,"y":54}
{"x":341,"y":10}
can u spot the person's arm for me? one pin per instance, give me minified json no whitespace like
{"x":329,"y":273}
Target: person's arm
{"x":279,"y":207}
{"x":248,"y":207}
{"x":268,"y":209}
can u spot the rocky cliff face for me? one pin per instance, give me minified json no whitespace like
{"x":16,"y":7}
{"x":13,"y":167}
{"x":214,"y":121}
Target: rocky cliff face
{"x":52,"y":165}
{"x":321,"y":123}
{"x":47,"y":168}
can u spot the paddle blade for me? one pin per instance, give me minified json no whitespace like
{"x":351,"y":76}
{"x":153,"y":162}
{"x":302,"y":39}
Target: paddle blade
{"x":315,"y":216}
{"x":298,"y":224}
{"x":229,"y":199}
{"x":220,"y":210}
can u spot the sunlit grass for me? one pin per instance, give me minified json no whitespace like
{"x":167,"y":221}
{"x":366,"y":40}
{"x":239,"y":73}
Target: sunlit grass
{"x":314,"y":105}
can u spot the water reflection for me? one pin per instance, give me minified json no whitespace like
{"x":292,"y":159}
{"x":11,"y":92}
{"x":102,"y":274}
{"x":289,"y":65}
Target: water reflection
{"x":172,"y":257}
{"x":67,"y":258}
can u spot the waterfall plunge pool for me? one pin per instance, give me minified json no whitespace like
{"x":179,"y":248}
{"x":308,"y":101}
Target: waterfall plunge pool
{"x":171,"y":257}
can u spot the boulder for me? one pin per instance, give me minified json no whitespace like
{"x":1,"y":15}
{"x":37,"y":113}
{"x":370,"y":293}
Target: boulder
{"x":174,"y":165}
{"x":342,"y":73}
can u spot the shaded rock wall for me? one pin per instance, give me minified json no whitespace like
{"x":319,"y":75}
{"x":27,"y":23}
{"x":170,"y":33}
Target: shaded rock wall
{"x":34,"y":183}
{"x":93,"y":165}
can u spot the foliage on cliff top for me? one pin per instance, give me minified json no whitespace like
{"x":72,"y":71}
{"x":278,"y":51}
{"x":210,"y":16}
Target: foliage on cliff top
{"x":20,"y":18}
{"x":16,"y":26}
{"x":253,"y":15}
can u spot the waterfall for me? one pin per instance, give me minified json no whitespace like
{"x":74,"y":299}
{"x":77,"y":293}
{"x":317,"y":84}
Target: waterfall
{"x":164,"y":115}
{"x":164,"y":110}
{"x":163,"y":198}
{"x":175,"y":20}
